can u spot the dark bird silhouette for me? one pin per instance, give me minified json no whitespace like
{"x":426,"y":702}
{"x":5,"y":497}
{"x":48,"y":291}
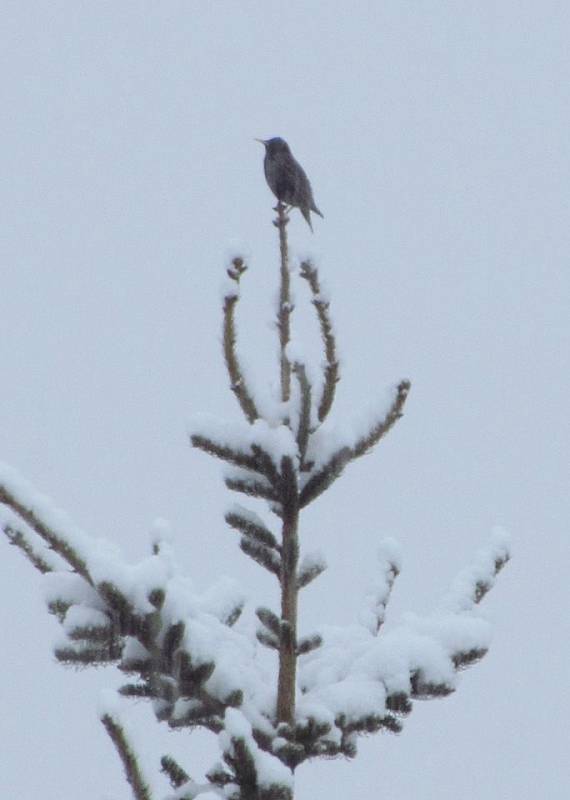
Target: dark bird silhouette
{"x":287,"y":179}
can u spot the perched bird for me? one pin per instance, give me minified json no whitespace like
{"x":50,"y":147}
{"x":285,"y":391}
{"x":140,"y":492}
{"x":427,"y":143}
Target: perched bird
{"x":286,"y":178}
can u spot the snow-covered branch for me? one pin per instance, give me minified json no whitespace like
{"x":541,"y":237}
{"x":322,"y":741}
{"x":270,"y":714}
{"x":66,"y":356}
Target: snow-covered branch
{"x":131,"y":766}
{"x":357,"y":679}
{"x":382,"y":426}
{"x":34,"y":511}
{"x":309,"y":272}
{"x":20,"y":536}
{"x":473,"y":583}
{"x":250,"y":524}
{"x":188,"y":654}
{"x":378,"y":595}
{"x":181,"y":653}
{"x":311,"y":567}
{"x":177,"y":776}
{"x":235,"y":372}
{"x":304,"y":426}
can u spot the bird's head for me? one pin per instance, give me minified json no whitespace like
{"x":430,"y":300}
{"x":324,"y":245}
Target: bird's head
{"x":275,"y":145}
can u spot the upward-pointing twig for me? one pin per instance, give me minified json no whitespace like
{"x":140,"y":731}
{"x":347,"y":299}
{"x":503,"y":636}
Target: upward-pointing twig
{"x":284,"y":311}
{"x":237,"y":382}
{"x":331,"y":368}
{"x":323,"y":477}
{"x":381,"y":428}
{"x":304,"y":424}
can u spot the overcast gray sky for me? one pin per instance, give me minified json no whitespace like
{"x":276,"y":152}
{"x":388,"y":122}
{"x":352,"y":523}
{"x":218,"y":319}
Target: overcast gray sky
{"x":436,"y":139}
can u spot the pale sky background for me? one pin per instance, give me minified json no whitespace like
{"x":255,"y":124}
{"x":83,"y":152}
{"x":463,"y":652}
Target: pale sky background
{"x":436,"y":136}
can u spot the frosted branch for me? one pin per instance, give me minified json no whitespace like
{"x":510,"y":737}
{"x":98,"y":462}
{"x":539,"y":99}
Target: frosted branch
{"x":378,"y":596}
{"x":331,"y":369}
{"x":324,"y":475}
{"x":381,"y":675}
{"x":18,"y":538}
{"x":133,"y":773}
{"x":474,"y":582}
{"x":249,"y":524}
{"x":383,"y":426}
{"x":258,"y":447}
{"x":176,"y":775}
{"x":267,"y":639}
{"x":320,"y":481}
{"x":235,"y":373}
{"x":310,"y":568}
{"x":54,"y":539}
{"x":229,"y":454}
{"x":304,"y":424}
{"x":270,"y":634}
{"x":270,"y":620}
{"x":264,"y":556}
{"x":285,"y":308}
{"x":252,"y":488}
{"x":260,"y":775}
{"x":86,"y":655}
{"x":308,"y":643}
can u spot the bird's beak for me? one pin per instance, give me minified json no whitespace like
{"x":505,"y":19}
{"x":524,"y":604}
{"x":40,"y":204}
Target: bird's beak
{"x":261,"y":141}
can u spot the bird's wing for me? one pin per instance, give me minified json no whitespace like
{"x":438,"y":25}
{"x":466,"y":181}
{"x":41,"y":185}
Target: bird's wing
{"x":290,"y":181}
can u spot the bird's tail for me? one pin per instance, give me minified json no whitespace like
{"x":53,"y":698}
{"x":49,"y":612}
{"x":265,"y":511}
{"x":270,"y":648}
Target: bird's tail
{"x":307,"y":214}
{"x":316,"y":210}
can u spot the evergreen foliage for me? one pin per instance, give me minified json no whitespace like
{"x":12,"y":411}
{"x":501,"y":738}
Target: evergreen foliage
{"x":129,"y":616}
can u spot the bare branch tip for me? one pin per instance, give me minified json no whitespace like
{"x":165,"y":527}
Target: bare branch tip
{"x":238,"y":267}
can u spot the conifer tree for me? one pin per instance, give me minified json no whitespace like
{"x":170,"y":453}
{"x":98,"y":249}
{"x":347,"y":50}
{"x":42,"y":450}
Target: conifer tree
{"x":187,"y":654}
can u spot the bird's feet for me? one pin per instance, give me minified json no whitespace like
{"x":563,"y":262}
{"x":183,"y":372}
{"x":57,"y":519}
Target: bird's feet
{"x":282,"y":214}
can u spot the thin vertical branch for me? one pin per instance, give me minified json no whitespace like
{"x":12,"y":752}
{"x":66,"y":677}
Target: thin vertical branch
{"x":289,"y":592}
{"x":237,"y":382}
{"x":17,"y":538}
{"x":331,"y":368}
{"x":382,"y":596}
{"x":289,"y":498}
{"x":284,"y":312}
{"x":304,"y":424}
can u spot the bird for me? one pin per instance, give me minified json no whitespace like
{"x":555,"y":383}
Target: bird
{"x":287,"y":179}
